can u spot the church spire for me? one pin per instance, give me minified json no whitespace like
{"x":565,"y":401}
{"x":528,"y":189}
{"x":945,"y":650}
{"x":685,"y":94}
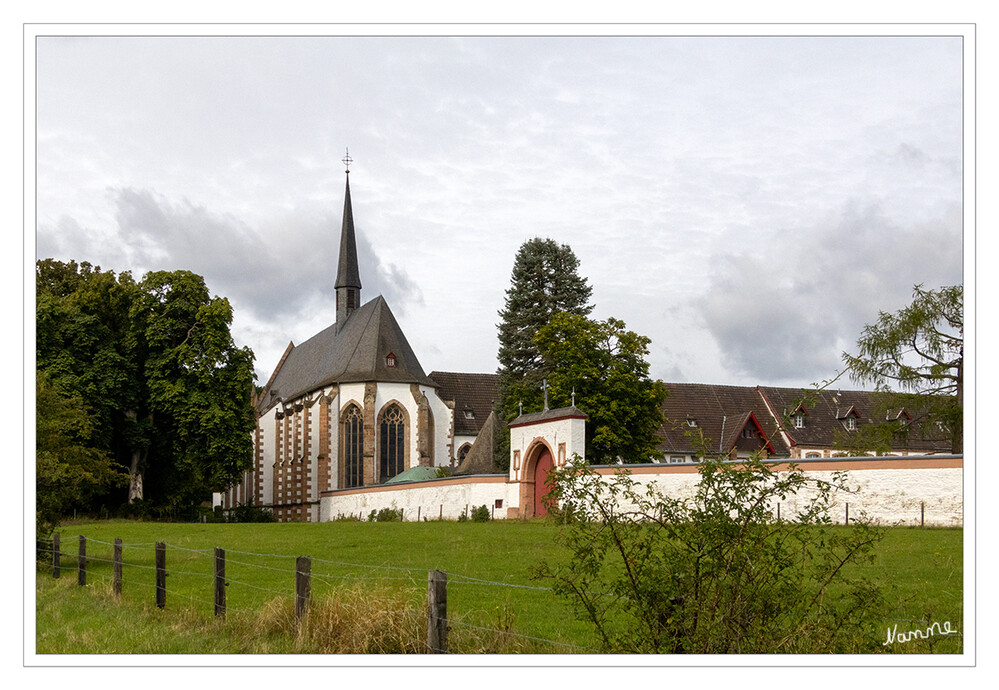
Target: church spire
{"x":348,"y":279}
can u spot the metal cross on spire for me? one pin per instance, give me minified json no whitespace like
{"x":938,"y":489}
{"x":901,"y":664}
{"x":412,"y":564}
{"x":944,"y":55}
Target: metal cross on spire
{"x":347,"y":160}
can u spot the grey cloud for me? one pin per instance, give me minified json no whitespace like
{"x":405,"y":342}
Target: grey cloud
{"x":787,"y":317}
{"x":279,"y":274}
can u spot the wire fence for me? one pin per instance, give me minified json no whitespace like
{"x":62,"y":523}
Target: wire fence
{"x":213,"y":579}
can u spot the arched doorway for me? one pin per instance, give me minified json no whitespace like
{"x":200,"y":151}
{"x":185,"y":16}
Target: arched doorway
{"x":541,"y":469}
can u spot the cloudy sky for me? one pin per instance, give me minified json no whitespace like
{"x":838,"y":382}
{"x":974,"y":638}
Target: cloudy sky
{"x":747,"y":202}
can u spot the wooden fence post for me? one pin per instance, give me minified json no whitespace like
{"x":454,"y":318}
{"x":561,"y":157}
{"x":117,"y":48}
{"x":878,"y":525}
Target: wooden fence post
{"x":847,"y":514}
{"x":116,"y":561}
{"x":160,"y":574}
{"x":55,"y":555}
{"x":922,"y":513}
{"x":219,"y":581}
{"x":437,"y":612}
{"x":303,"y":585}
{"x":81,"y":563}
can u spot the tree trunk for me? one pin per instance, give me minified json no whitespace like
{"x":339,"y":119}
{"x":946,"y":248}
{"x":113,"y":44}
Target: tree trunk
{"x":135,"y":479}
{"x":957,"y":433}
{"x":134,"y":473}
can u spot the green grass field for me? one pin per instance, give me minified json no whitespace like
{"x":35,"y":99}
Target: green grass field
{"x":369,"y":584}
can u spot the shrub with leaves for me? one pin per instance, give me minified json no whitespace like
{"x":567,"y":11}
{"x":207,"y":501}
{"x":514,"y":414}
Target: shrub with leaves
{"x":718,"y":572}
{"x":385,"y":515}
{"x":480,"y":514}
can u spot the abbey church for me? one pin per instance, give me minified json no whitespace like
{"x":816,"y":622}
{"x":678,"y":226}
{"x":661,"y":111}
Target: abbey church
{"x":352,"y":406}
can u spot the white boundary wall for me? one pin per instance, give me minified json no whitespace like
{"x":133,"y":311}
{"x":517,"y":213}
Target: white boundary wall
{"x":431,"y":499}
{"x":891,"y":490}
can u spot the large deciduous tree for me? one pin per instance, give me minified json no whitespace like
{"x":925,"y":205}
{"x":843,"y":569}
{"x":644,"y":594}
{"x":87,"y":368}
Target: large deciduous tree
{"x":603,"y":366}
{"x":195,"y":415}
{"x":70,"y":471}
{"x":165,"y":390}
{"x":545,"y":281}
{"x":915,"y":359}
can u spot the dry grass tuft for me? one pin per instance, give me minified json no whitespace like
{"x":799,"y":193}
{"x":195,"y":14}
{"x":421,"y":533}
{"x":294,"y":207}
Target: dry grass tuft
{"x":358,"y":620}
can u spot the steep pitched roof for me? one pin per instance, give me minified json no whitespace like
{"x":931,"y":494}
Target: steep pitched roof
{"x":710,"y":417}
{"x":472,"y":393}
{"x":356,"y":353}
{"x":347,"y":273}
{"x":480,"y":457}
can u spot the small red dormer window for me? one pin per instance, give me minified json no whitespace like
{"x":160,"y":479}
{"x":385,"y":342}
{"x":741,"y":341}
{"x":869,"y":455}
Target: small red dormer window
{"x":390,"y":361}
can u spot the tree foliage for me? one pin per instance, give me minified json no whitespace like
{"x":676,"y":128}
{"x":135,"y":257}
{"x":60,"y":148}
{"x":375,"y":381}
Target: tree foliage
{"x":165,"y":391}
{"x":715,"y":573}
{"x":603,"y":366}
{"x":545,"y":281}
{"x":70,"y":471}
{"x":915,"y":359}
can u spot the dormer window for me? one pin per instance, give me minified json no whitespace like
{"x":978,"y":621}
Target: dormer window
{"x":469,"y":414}
{"x":691,"y":422}
{"x":749,"y":432}
{"x":799,"y":420}
{"x":390,"y":361}
{"x":848,"y":417}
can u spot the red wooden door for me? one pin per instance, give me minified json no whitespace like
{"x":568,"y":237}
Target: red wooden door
{"x":541,"y":470}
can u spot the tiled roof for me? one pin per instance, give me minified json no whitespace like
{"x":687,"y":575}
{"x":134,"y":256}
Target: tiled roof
{"x":710,"y":417}
{"x":354,"y":354}
{"x":826,"y":413}
{"x":473,"y":393}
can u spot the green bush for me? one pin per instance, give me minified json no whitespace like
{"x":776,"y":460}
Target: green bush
{"x":386,"y":515}
{"x":480,"y":514}
{"x":717,"y":573}
{"x":247,"y":512}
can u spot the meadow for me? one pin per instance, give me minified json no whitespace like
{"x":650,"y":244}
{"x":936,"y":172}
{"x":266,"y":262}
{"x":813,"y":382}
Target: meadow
{"x":369,"y":589}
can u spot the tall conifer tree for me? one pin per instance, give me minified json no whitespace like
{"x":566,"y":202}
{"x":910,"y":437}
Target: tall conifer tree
{"x":545,"y":281}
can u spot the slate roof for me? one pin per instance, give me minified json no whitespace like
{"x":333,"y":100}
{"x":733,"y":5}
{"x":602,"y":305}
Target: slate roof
{"x":719,"y":414}
{"x":347,"y":273}
{"x":543,"y":416}
{"x":826,"y":412}
{"x":354,"y":354}
{"x":476,"y":393}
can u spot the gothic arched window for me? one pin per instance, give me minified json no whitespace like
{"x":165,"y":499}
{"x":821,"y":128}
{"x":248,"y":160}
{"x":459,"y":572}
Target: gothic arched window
{"x":353,"y":447}
{"x":392,"y":443}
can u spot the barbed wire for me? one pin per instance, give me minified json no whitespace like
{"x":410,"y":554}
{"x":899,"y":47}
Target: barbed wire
{"x":263,"y":555}
{"x":459,"y":579}
{"x":200,"y":552}
{"x":171,"y":592}
{"x":262,"y":589}
{"x":457,"y":576}
{"x":521,"y":635}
